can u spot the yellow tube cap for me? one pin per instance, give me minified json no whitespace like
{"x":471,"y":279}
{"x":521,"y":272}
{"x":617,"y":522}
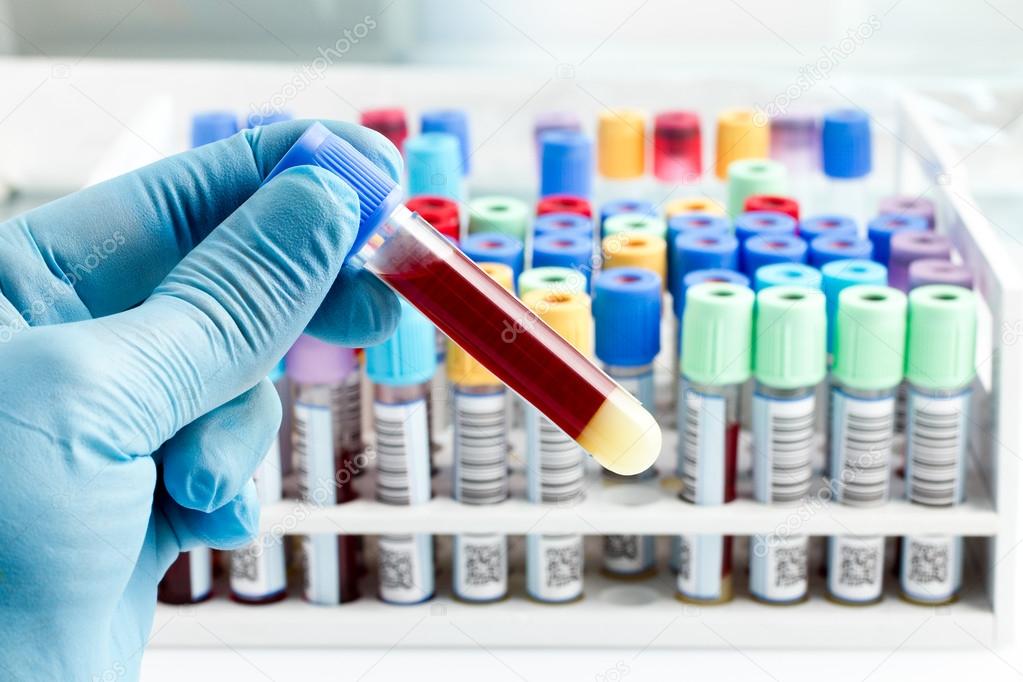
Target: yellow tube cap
{"x":462,"y":368}
{"x":693,"y":205}
{"x":567,"y":314}
{"x":739,"y":137}
{"x":621,"y":144}
{"x":636,"y":250}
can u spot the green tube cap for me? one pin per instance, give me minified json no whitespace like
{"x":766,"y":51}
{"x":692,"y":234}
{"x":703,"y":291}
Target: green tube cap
{"x":562,"y":280}
{"x":942,"y":331}
{"x":506,"y":215}
{"x":754,"y":176}
{"x":717,"y":328}
{"x":791,"y":337}
{"x":635,"y":222}
{"x":870,"y":337}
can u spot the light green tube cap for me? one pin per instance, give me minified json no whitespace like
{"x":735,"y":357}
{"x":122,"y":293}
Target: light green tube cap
{"x":791,"y":337}
{"x":717,"y":332}
{"x":754,"y":176}
{"x":563,"y":280}
{"x":506,"y":215}
{"x":870,"y":337}
{"x":635,"y":222}
{"x":942,"y":331}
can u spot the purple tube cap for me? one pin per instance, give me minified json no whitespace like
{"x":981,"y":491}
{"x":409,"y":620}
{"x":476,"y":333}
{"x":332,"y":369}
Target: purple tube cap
{"x":908,"y":246}
{"x":904,"y":205}
{"x":311,"y":361}
{"x":935,"y":271}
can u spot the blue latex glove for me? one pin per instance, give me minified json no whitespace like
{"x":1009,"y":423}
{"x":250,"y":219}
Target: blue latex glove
{"x":130,"y":432}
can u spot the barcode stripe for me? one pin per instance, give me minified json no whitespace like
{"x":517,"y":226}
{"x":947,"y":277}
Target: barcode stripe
{"x":480,"y":448}
{"x":935,"y":449}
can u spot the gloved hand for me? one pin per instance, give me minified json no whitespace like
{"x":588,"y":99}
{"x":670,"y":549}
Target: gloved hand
{"x":138,"y":321}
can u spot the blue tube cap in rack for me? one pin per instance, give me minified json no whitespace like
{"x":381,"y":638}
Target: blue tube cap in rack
{"x":842,"y":274}
{"x":757,"y":223}
{"x":434,"y":166}
{"x":453,"y":122}
{"x":627,"y":315}
{"x":826,"y":249}
{"x":845,"y":144}
{"x":699,"y":277}
{"x":210,"y":126}
{"x":409,"y":356}
{"x":566,"y":164}
{"x":620,"y":206}
{"x":265,"y":118}
{"x":703,"y":223}
{"x":696,"y":251}
{"x":787,"y":274}
{"x":563,"y":223}
{"x":495,"y":247}
{"x":823,"y":225}
{"x":881,"y":229}
{"x":564,"y":251}
{"x":769,"y":249}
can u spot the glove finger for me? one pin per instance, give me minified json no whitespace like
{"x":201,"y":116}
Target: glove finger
{"x":231,"y":526}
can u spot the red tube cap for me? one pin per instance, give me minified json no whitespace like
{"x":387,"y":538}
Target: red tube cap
{"x":440,"y":212}
{"x":564,"y":203}
{"x":388,"y":122}
{"x":677,"y":150}
{"x":771,"y":202}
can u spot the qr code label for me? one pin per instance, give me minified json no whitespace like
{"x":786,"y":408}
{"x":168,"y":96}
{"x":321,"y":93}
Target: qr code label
{"x":554,"y":567}
{"x":931,"y":567}
{"x":628,"y":554}
{"x":405,"y":568}
{"x":703,"y":563}
{"x":481,"y":567}
{"x":855,"y":568}
{"x":778,"y":570}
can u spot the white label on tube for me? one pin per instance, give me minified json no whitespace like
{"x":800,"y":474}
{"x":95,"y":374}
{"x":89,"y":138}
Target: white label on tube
{"x":554,"y":462}
{"x":861,"y":448}
{"x":701,"y":566}
{"x":783,"y":432}
{"x":856,"y":567}
{"x":267,"y":477}
{"x":314,"y":447}
{"x":554,"y":567}
{"x":931,"y":567}
{"x":480,"y":448}
{"x":628,"y":554}
{"x":350,"y":414}
{"x":480,"y":566}
{"x":200,"y":572}
{"x":403,"y":452}
{"x":936,"y":434}
{"x":321,"y":569}
{"x":778,"y":571}
{"x":405,"y":568}
{"x":257,"y":570}
{"x":702,"y":448}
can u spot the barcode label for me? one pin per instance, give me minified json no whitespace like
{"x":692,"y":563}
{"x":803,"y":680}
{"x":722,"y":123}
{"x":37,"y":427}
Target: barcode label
{"x":321,"y":569}
{"x":403,"y":452}
{"x":782,"y":448}
{"x":257,"y":570}
{"x":628,"y":554}
{"x":480,"y":565}
{"x":702,"y":448}
{"x":554,"y":567}
{"x":936,"y":448}
{"x":861,"y":448}
{"x":778,"y":571}
{"x":555,"y":462}
{"x":480,"y":448}
{"x":313,"y":442}
{"x":703,"y":564}
{"x":405,"y":568}
{"x":348,"y":414}
{"x":931,"y":567}
{"x":267,"y":477}
{"x":856,"y":567}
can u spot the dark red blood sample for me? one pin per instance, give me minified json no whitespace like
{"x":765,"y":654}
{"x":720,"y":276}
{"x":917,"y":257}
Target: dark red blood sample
{"x":176,"y":586}
{"x":479,"y":315}
{"x":564,"y":203}
{"x":731,"y":474}
{"x":388,"y":122}
{"x":770,"y":202}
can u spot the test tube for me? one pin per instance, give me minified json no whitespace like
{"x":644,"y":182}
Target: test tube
{"x":635,"y":222}
{"x":440,"y":212}
{"x":795,"y":142}
{"x":325,"y":450}
{"x":210,"y":126}
{"x":621,"y":151}
{"x":780,"y":248}
{"x":790,"y":361}
{"x":839,"y":275}
{"x":625,"y":207}
{"x":454,"y":122}
{"x":912,"y":206}
{"x":846,"y":160}
{"x":685,"y":205}
{"x":566,"y":164}
{"x":635,"y":250}
{"x":561,"y":280}
{"x":389,"y":122}
{"x":565,"y":251}
{"x":761,"y":223}
{"x":480,"y":471}
{"x":716,"y":340}
{"x":910,"y":246}
{"x":189,"y":579}
{"x":787,"y":274}
{"x":562,"y":223}
{"x":433,"y":165}
{"x":482,"y":317}
{"x":554,"y":464}
{"x":881,"y":229}
{"x":678,"y":153}
{"x":941,"y":341}
{"x":564,"y":203}
{"x":494,"y":248}
{"x":869,"y":358}
{"x":827,"y":225}
{"x":401,"y":368}
{"x":503,"y":215}
{"x":705,"y":223}
{"x":554,"y":121}
{"x":739,"y":136}
{"x":772,"y":202}
{"x":265,"y":118}
{"x":826,"y":249}
{"x":752,"y":177}
{"x":627,"y":318}
{"x":933,"y":271}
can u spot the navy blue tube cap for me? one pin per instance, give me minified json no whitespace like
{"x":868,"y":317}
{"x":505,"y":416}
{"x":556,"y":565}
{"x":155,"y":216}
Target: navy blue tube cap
{"x":210,"y":126}
{"x":699,"y":277}
{"x":699,"y":222}
{"x":378,"y":194}
{"x":627,"y":315}
{"x":563,"y":250}
{"x":697,"y":251}
{"x":830,"y":247}
{"x":566,"y":164}
{"x":452,"y":121}
{"x":620,"y":206}
{"x":845,"y":144}
{"x":755,"y":223}
{"x":829,"y":224}
{"x":563,"y":223}
{"x":494,"y":247}
{"x":768,"y":249}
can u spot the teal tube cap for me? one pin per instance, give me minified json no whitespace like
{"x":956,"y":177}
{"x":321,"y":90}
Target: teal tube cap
{"x":409,"y":356}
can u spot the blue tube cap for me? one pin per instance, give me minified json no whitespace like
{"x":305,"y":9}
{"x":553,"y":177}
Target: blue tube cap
{"x":256,"y":119}
{"x":699,"y":277}
{"x":407,"y":357}
{"x":627,"y":315}
{"x":434,"y":166}
{"x":495,"y":247}
{"x":767,"y":250}
{"x":787,"y":274}
{"x":881,"y":229}
{"x":453,"y":122}
{"x":620,"y":206}
{"x":702,"y":223}
{"x":830,"y":224}
{"x":845,"y":144}
{"x":564,"y":251}
{"x":697,"y":251}
{"x":842,"y":274}
{"x":378,"y":194}
{"x":563,"y":223}
{"x":210,"y":126}
{"x":756,"y":223}
{"x":566,"y":164}
{"x":828,"y":248}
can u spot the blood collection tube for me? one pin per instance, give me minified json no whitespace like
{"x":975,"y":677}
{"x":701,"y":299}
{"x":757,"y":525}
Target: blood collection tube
{"x":754,"y":177}
{"x":846,"y":160}
{"x":210,"y":126}
{"x":189,"y":580}
{"x":327,"y":457}
{"x":259,"y":569}
{"x":881,"y":229}
{"x":621,"y":152}
{"x":869,"y":358}
{"x":453,"y":122}
{"x":389,"y":122}
{"x":763,"y":224}
{"x":566,"y":164}
{"x":678,"y":154}
{"x":480,"y":471}
{"x":705,"y":223}
{"x":767,"y":250}
{"x":910,"y":206}
{"x":795,"y":142}
{"x":787,"y":274}
{"x":739,"y":136}
{"x":910,"y":246}
{"x":772,"y":202}
{"x":562,"y":223}
{"x":401,"y":368}
{"x":716,"y":341}
{"x":626,"y":207}
{"x":554,"y":121}
{"x":839,"y":275}
{"x":565,"y":251}
{"x":790,"y":361}
{"x":635,"y":250}
{"x":555,"y":468}
{"x":932,"y":271}
{"x":564,"y":203}
{"x":627,"y":318}
{"x":828,"y":225}
{"x":434,"y":166}
{"x":482,"y":317}
{"x":826,"y":249}
{"x":560,"y":280}
{"x":693,"y":205}
{"x":504,"y":215}
{"x":494,"y":248}
{"x":635,"y":222}
{"x":440,"y":212}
